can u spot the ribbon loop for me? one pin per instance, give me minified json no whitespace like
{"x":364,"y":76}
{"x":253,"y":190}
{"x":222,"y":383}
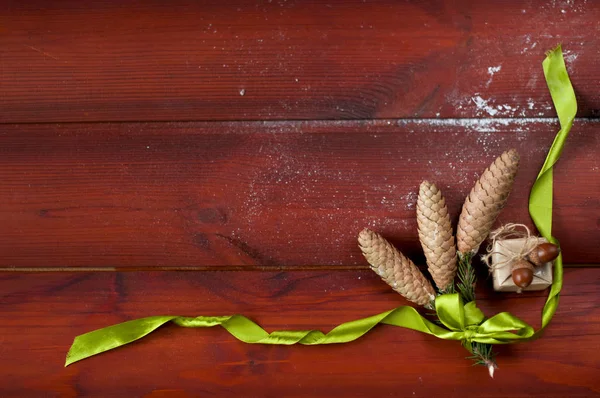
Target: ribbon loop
{"x":450,"y":311}
{"x":473,"y":315}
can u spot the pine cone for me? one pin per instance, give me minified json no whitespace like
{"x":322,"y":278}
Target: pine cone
{"x":395,"y":269}
{"x":485,"y":201}
{"x":435,"y":234}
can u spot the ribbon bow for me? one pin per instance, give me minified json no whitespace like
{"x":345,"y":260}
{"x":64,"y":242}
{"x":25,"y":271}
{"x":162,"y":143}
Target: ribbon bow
{"x":467,"y":323}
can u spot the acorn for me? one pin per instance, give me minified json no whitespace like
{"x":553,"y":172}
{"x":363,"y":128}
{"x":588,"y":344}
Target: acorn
{"x":543,"y":253}
{"x":522,"y":273}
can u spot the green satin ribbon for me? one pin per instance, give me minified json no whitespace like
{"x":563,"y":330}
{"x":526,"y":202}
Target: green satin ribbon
{"x":464,"y":322}
{"x":540,"y":199}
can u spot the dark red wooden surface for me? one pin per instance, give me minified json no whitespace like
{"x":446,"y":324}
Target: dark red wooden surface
{"x":138,"y":138}
{"x":41,"y":313}
{"x":274,"y":194}
{"x":183,"y":60}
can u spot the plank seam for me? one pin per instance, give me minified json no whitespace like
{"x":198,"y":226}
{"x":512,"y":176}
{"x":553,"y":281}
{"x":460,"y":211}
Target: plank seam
{"x":216,"y":268}
{"x":458,"y":122}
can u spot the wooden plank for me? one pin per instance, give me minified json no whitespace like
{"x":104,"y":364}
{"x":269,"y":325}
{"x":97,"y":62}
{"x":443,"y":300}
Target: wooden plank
{"x":265,"y":194}
{"x":206,"y":60}
{"x":40,"y":314}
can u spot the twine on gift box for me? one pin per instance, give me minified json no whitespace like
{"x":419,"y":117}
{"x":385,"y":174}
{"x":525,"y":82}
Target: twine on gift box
{"x":509,"y":231}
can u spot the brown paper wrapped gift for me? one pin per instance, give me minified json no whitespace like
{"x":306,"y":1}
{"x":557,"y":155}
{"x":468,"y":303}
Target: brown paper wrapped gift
{"x":505,"y":249}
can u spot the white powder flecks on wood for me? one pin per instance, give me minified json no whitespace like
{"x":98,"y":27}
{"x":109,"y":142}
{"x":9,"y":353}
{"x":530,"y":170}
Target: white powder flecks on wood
{"x":528,"y":44}
{"x":570,"y":6}
{"x":410,"y":199}
{"x":491,"y":71}
{"x":533,"y":79}
{"x":570,"y":57}
{"x":494,"y":69}
{"x":483,"y":105}
{"x":489,"y":142}
{"x":489,"y":107}
{"x":479,"y":125}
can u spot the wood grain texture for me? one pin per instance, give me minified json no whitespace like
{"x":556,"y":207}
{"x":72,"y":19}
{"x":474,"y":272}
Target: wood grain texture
{"x":138,"y":136}
{"x":214,"y":60}
{"x":40,"y":314}
{"x":265,"y":194}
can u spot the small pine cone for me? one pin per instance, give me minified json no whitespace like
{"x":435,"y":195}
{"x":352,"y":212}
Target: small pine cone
{"x":435,"y":234}
{"x":395,"y":269}
{"x":486,"y":200}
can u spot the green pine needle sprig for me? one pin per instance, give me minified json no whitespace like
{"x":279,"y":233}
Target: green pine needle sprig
{"x":483,"y":354}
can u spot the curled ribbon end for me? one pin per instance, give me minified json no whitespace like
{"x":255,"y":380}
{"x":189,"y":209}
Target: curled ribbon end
{"x":556,"y":49}
{"x":76,"y":353}
{"x":69,"y":360}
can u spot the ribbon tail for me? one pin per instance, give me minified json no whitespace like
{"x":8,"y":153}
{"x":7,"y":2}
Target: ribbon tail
{"x":565,"y":103}
{"x":245,"y":330}
{"x":101,"y":340}
{"x":540,"y":199}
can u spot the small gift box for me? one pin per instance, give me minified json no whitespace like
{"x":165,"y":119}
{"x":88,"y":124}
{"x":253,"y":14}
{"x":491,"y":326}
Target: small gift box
{"x":504,"y":253}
